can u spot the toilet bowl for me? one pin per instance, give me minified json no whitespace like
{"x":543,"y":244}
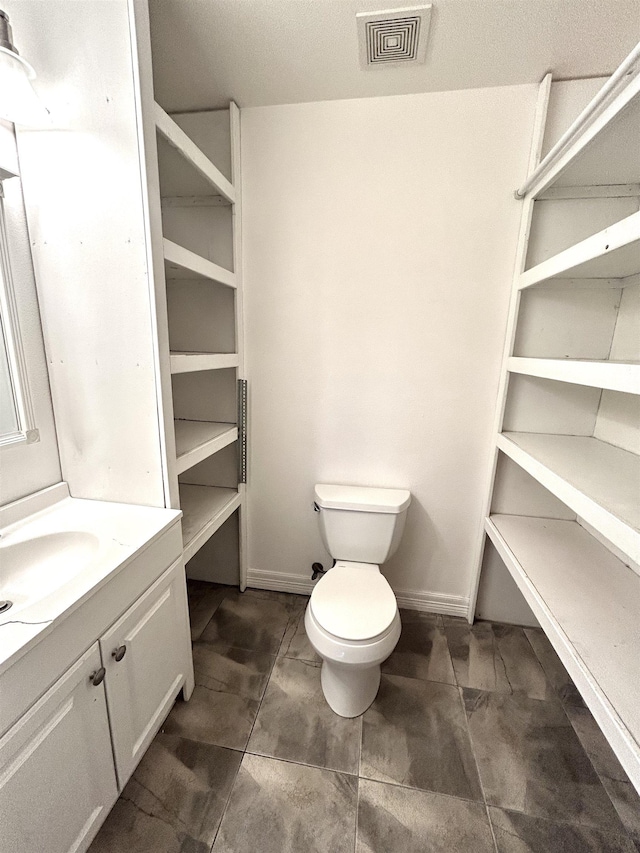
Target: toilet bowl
{"x":352,"y":618}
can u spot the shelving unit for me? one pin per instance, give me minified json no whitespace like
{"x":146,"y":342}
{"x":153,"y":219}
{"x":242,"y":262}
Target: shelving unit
{"x":563,"y":507}
{"x":194,"y":197}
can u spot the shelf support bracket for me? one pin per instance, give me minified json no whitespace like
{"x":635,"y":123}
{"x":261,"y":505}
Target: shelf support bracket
{"x":242,"y":430}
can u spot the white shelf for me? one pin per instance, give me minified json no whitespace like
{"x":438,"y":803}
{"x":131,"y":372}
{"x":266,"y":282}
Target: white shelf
{"x":205,"y":509}
{"x":599,"y":482}
{"x":197,"y":440}
{"x":183,"y":263}
{"x":176,"y":137}
{"x":600,"y":154}
{"x":189,"y":362}
{"x":587,"y":602}
{"x":611,"y":253}
{"x":611,"y":375}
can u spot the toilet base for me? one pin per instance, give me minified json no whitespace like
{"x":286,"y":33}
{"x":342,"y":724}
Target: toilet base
{"x":349,"y":690}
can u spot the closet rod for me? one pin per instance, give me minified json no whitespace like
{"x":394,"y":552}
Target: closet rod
{"x":588,"y":112}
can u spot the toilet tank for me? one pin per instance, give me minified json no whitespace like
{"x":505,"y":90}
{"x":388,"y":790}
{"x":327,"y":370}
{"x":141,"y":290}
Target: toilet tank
{"x":360,"y":523}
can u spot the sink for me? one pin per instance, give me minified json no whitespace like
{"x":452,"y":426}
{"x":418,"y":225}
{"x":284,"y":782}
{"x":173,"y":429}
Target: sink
{"x":33,"y":568}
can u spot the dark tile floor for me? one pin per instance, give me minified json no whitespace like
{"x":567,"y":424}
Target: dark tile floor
{"x":477,"y":742}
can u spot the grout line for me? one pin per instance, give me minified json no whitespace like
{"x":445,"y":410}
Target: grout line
{"x":227,"y":801}
{"x":357,"y":815}
{"x":491,"y":830}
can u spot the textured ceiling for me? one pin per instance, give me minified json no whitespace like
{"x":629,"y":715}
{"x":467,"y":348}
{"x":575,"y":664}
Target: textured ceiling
{"x":260,"y":52}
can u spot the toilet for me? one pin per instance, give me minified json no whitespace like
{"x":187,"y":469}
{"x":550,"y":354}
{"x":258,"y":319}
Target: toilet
{"x":352,"y":618}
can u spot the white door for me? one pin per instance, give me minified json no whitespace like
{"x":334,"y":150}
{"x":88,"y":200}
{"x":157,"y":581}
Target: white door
{"x":57,"y":780}
{"x":147,"y":654}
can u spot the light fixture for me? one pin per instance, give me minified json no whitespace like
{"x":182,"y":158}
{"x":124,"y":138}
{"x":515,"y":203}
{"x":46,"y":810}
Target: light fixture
{"x":18,"y":101}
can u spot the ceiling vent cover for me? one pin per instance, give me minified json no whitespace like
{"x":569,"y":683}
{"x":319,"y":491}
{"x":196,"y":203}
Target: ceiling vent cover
{"x":394,"y":37}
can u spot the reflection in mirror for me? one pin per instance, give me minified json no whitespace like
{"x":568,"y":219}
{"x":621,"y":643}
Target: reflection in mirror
{"x":16,"y":414}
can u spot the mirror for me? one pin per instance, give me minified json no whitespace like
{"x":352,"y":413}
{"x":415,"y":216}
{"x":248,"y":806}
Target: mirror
{"x":16,"y":416}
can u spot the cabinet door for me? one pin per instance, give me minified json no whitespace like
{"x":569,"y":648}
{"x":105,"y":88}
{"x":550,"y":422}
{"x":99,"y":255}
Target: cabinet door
{"x":147,"y":655}
{"x":57,"y":780}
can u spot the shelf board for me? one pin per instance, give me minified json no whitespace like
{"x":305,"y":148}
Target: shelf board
{"x":587,"y":601}
{"x":599,"y":482}
{"x":611,"y":253}
{"x":176,"y":137}
{"x":183,"y":263}
{"x":599,"y":155}
{"x":612,"y":375}
{"x":205,"y":509}
{"x":190,"y":362}
{"x":197,"y":440}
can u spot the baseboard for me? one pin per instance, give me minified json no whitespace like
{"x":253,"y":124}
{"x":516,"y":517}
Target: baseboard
{"x":279,"y":582}
{"x":429,"y":602}
{"x":433,"y":602}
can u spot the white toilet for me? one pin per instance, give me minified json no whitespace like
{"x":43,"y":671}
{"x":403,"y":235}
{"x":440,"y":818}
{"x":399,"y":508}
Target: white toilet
{"x":352,"y":619}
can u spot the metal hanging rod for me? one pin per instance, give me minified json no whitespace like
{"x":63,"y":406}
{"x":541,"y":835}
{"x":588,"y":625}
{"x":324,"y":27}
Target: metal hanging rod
{"x":592,"y":107}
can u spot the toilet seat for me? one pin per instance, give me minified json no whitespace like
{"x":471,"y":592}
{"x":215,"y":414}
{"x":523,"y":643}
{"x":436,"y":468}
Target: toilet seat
{"x":354,"y":602}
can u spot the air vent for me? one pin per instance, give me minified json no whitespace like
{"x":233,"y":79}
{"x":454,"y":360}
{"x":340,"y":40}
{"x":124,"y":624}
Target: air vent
{"x":394,"y":37}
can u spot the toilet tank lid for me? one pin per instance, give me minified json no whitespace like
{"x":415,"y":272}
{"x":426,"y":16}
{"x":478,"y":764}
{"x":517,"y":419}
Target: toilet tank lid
{"x":362,"y":498}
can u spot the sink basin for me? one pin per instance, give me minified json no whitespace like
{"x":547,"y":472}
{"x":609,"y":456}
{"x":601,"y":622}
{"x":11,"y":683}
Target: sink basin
{"x":33,"y":568}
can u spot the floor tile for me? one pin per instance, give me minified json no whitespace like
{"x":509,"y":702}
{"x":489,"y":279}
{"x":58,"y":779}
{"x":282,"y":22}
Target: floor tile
{"x":520,"y":833}
{"x":415,"y":734}
{"x":293,"y":809}
{"x":553,"y":667}
{"x":251,"y":620}
{"x":422,"y":650}
{"x":229,"y":686}
{"x":204,"y":600}
{"x":622,"y":794}
{"x":487,"y":656}
{"x":475,"y":656}
{"x":530,"y":760}
{"x":405,"y":820}
{"x":173,"y":802}
{"x":295,"y":722}
{"x":295,"y":643}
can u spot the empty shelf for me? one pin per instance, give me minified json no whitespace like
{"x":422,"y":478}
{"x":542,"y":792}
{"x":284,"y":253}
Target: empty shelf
{"x":599,"y":155}
{"x":196,"y":440}
{"x":599,"y":482}
{"x":611,"y":253}
{"x":587,"y":602}
{"x":188,"y":362}
{"x":183,"y":263}
{"x":612,"y":375}
{"x":176,"y":137}
{"x":205,"y":509}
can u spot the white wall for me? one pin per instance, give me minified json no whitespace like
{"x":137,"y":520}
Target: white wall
{"x":379,"y":242}
{"x":84,"y":198}
{"x":26,"y":468}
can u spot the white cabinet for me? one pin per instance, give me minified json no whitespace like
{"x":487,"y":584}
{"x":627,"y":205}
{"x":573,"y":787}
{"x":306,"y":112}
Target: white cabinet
{"x":144,"y":668}
{"x":65,"y":760}
{"x":57,"y":780}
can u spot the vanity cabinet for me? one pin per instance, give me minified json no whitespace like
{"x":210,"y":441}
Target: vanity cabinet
{"x":66,"y":759}
{"x":144,"y":668}
{"x":57,"y":779}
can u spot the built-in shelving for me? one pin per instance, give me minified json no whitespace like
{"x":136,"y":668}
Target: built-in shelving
{"x":563,"y":506}
{"x":613,"y":252}
{"x":176,"y":137}
{"x":182,"y":263}
{"x":205,"y":509}
{"x":188,"y":362}
{"x":600,"y":155}
{"x":600,"y":482}
{"x":588,"y":603}
{"x":197,"y":440}
{"x":612,"y":375}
